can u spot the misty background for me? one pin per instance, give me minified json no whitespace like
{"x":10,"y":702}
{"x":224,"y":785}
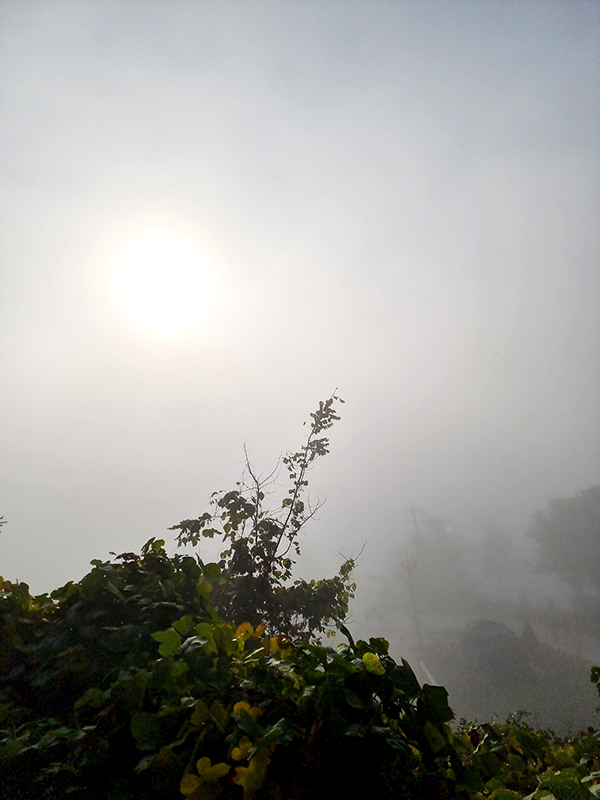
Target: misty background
{"x":399,"y":200}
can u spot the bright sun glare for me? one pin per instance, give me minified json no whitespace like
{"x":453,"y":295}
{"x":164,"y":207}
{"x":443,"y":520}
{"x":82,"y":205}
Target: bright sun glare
{"x":161,"y":283}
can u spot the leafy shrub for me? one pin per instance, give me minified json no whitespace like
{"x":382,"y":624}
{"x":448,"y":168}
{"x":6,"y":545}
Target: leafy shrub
{"x":506,"y":761}
{"x":95,"y":703}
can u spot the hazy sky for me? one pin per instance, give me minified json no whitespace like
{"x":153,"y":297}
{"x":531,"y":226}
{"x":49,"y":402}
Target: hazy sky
{"x":398,"y":199}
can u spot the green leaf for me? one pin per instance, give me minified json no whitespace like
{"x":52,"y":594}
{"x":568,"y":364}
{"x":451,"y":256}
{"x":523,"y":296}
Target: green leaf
{"x":134,"y":690}
{"x":204,"y":588}
{"x":219,"y":715}
{"x":223,"y":636}
{"x":191,"y":568}
{"x":435,"y":703}
{"x":354,"y":700}
{"x":154,"y":546}
{"x":212,"y":571}
{"x":145,"y":728}
{"x":564,"y":785}
{"x":505,"y":794}
{"x":184,"y":625}
{"x":170,"y":642}
{"x":380,"y":645}
{"x":346,"y":633}
{"x":93,"y":697}
{"x":206,"y":631}
{"x":436,"y":741}
{"x":10,"y":748}
{"x":405,"y":679}
{"x":178,"y":669}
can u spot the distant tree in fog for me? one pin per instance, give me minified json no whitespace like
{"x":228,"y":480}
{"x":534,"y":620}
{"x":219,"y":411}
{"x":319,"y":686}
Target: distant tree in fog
{"x":498,"y":561}
{"x":567,"y":534}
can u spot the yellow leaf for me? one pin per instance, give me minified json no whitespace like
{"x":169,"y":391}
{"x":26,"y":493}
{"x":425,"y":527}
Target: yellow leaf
{"x":241,"y":751}
{"x":245,"y":630}
{"x":211,"y":774}
{"x":245,"y":627}
{"x":254,"y":711}
{"x":202,"y":765}
{"x":219,"y":771}
{"x":280,"y":644}
{"x":373,"y":664}
{"x":189,"y":783}
{"x":200,"y":714}
{"x":251,"y":778}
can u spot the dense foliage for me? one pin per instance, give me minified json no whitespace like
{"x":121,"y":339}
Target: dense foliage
{"x":158,"y":677}
{"x":128,"y":685}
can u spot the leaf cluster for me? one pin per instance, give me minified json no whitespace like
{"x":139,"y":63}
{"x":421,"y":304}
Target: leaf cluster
{"x":261,"y":545}
{"x":512,"y":760}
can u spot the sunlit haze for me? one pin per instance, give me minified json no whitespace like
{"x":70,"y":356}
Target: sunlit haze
{"x":160,"y":283}
{"x":214,"y":214}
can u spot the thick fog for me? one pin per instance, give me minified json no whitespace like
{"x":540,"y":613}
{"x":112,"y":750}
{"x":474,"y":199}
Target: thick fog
{"x":399,"y":200}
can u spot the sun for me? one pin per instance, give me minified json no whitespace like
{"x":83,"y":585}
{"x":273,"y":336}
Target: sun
{"x":161,"y":283}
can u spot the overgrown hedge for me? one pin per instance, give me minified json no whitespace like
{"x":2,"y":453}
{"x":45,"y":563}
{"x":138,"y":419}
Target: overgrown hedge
{"x":128,"y":686}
